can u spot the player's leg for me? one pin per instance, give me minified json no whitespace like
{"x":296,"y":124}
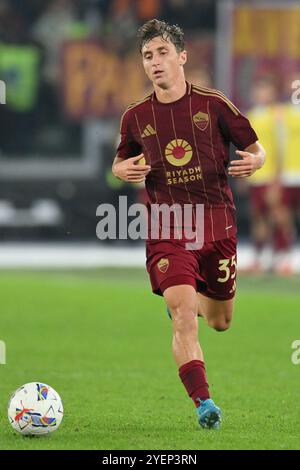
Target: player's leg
{"x":217,"y":264}
{"x":281,"y":210}
{"x":182,"y":301}
{"x":217,"y":313}
{"x":261,"y":229}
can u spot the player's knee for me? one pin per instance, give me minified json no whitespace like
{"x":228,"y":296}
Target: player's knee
{"x":182,"y":308}
{"x":222,"y":327}
{"x":220,"y":324}
{"x":183,"y":317}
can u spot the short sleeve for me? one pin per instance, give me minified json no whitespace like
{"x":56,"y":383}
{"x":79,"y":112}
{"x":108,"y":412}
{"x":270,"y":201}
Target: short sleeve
{"x":128,"y":146}
{"x":235,"y":127}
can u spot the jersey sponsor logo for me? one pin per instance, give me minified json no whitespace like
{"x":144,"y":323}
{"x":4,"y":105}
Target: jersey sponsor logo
{"x":163,"y":265}
{"x":201,"y":120}
{"x":184,"y":176}
{"x":148,"y":131}
{"x":178,"y":152}
{"x":141,"y":161}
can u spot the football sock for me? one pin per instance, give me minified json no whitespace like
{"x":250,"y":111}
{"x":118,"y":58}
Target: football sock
{"x":193,"y":377}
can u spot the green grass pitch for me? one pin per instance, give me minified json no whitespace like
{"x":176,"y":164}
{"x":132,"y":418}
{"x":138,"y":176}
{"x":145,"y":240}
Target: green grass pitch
{"x":102,"y":340}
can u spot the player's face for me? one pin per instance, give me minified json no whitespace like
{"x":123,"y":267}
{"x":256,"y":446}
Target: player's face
{"x":162,"y":62}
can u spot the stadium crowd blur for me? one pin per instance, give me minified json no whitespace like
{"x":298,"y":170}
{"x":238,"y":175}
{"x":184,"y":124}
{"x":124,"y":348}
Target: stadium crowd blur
{"x":32,"y":34}
{"x":46,"y":117}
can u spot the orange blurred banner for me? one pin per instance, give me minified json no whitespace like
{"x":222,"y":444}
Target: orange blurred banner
{"x":96,"y":82}
{"x":265,"y":42}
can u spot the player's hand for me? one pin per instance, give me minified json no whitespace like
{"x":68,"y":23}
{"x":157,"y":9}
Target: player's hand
{"x":246,"y":166}
{"x":132,"y":170}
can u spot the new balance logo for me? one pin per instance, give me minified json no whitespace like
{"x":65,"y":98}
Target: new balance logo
{"x":148,"y":131}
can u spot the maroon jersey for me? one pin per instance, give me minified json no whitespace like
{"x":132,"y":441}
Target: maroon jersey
{"x":186,"y":142}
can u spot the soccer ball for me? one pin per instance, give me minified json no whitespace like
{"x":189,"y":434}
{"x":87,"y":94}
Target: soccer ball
{"x":35,"y":409}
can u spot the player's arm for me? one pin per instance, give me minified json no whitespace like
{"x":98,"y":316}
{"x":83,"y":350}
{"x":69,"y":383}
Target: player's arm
{"x":237,"y":129}
{"x":130,"y":169}
{"x":129,"y":164}
{"x":252,"y":159}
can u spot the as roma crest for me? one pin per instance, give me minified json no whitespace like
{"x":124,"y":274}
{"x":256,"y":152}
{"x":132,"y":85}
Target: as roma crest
{"x":163,"y":265}
{"x":201,"y":120}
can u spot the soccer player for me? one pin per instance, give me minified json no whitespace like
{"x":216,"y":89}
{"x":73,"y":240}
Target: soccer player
{"x":264,"y":115}
{"x":289,"y":208}
{"x":181,"y":134}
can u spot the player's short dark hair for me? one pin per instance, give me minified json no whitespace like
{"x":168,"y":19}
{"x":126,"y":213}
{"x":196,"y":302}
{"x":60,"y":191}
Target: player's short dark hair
{"x":154,"y":28}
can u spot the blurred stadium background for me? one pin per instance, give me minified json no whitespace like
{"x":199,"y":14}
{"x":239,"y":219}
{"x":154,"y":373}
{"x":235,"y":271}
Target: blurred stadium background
{"x":70,"y":68}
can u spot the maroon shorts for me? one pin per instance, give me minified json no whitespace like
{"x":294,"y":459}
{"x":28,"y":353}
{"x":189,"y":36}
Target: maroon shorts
{"x":210,"y":270}
{"x":291,"y":196}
